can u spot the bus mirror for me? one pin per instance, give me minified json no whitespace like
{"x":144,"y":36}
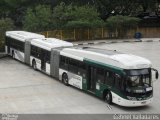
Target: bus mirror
{"x":157,"y":74}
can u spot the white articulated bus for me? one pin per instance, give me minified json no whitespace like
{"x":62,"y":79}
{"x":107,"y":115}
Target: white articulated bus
{"x":116,"y":77}
{"x":42,"y":55}
{"x":16,"y":42}
{"x":33,"y":49}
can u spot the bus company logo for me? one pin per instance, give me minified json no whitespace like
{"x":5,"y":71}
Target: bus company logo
{"x":8,"y":117}
{"x":78,"y":78}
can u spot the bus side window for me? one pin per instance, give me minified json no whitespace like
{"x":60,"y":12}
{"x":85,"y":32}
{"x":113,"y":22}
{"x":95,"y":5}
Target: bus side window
{"x":109,"y":78}
{"x":18,"y":45}
{"x":118,"y":81}
{"x":62,"y":62}
{"x":39,"y":51}
{"x":47,"y":56}
{"x":12,"y":43}
{"x":73,"y":65}
{"x":81,"y":68}
{"x":106,"y":77}
{"x":100,"y":75}
{"x":35,"y":51}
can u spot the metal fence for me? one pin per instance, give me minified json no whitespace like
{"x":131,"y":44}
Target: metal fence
{"x":101,"y":33}
{"x":80,"y":34}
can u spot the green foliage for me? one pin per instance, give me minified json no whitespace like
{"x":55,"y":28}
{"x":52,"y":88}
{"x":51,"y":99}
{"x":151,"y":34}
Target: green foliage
{"x":5,"y":25}
{"x":69,"y":16}
{"x":78,"y":24}
{"x":41,"y":18}
{"x":121,"y":23}
{"x":16,"y":9}
{"x":38,"y":19}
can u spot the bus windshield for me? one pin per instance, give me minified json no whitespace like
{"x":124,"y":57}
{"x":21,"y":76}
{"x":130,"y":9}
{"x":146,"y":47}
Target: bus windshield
{"x":137,"y":81}
{"x":138,"y":78}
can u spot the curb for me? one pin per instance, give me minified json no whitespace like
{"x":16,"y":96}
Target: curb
{"x":105,"y":42}
{"x":109,"y":42}
{"x":148,"y":41}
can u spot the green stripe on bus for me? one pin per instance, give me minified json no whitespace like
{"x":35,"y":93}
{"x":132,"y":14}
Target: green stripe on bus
{"x":103,"y":65}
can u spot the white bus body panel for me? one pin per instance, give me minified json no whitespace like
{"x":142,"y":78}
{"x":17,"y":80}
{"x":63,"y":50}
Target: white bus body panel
{"x":23,"y":35}
{"x":18,"y":54}
{"x":49,"y":43}
{"x":48,"y":68}
{"x":123,"y":61}
{"x":38,"y":62}
{"x":73,"y":79}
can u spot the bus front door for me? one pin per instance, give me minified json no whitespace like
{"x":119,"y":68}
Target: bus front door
{"x":92,"y":79}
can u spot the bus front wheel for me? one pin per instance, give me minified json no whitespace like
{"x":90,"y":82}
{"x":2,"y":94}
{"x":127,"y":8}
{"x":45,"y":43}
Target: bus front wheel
{"x":108,"y":97}
{"x":65,"y":79}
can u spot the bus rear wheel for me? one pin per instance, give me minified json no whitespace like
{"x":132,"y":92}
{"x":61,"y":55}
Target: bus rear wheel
{"x":108,"y":97}
{"x":65,"y":79}
{"x":34,"y":65}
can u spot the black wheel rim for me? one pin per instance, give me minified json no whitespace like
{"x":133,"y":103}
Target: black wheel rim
{"x":65,"y":79}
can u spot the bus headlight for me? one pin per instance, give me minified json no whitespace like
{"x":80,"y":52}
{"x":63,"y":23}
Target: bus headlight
{"x":139,"y":91}
{"x":149,"y":89}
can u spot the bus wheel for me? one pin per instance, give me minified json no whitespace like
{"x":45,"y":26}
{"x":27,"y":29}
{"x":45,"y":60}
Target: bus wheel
{"x":13,"y":55}
{"x":108,"y":97}
{"x":65,"y":79}
{"x":34,"y":65}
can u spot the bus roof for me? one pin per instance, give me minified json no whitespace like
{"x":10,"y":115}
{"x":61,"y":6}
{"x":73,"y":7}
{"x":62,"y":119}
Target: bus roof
{"x":49,"y":43}
{"x":107,"y":57}
{"x":23,"y":35}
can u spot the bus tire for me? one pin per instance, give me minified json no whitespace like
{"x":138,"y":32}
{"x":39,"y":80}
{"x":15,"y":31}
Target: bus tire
{"x":108,"y":97}
{"x":34,"y":65}
{"x":13,"y":55}
{"x":65,"y":79}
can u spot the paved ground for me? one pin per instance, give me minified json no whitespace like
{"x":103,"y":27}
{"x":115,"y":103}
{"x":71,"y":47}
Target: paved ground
{"x":23,"y":90}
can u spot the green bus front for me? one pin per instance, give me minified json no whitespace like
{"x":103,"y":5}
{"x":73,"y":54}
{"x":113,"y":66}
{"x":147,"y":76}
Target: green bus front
{"x":123,"y":87}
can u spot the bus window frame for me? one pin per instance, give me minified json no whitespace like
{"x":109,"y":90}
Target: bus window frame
{"x":15,"y":44}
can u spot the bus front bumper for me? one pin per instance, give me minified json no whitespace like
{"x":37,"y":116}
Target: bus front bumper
{"x":129,"y":103}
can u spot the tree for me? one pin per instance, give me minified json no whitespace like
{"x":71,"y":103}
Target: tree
{"x":69,"y":16}
{"x":121,"y":24}
{"x":16,"y":9}
{"x":38,"y":18}
{"x":5,"y":25}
